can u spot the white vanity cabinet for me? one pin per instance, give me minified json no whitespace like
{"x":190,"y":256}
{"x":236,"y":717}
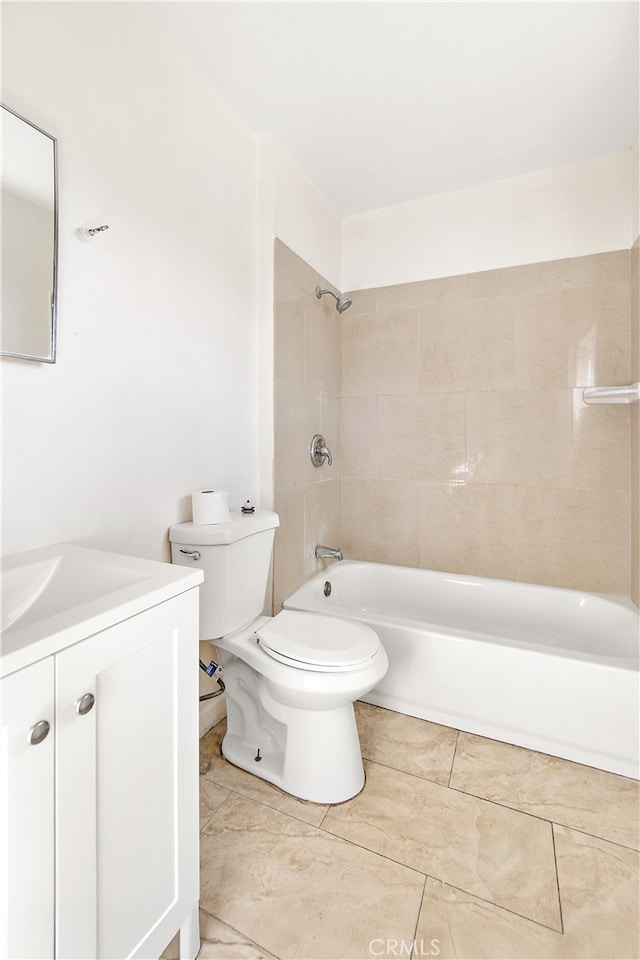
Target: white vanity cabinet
{"x":99,"y":830}
{"x":27,"y":807}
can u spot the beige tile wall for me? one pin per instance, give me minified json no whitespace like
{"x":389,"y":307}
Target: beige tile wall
{"x":308,"y":363}
{"x":453,"y":409}
{"x":466,"y":444}
{"x":635,"y":424}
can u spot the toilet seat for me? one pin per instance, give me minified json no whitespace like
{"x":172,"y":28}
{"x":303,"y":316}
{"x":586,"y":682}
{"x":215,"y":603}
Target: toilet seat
{"x":309,"y":641}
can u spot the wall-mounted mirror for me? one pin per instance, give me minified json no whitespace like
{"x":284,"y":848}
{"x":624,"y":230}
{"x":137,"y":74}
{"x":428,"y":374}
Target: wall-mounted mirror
{"x":29,"y":240}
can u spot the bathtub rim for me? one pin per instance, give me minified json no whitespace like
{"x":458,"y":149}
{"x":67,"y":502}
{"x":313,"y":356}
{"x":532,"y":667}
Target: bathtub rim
{"x":315,"y":605}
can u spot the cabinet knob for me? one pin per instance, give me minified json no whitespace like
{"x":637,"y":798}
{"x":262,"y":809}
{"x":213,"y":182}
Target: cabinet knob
{"x":38,"y":732}
{"x":85,"y":704}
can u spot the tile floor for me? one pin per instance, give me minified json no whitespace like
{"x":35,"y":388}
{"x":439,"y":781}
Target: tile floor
{"x":458,"y":846}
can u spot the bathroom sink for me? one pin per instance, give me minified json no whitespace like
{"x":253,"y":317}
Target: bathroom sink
{"x":58,"y":594}
{"x":34,"y":590}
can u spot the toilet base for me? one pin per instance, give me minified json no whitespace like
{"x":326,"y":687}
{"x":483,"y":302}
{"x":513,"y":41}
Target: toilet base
{"x":311,"y":754}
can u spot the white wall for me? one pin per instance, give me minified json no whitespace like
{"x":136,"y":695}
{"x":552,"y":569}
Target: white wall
{"x":567,"y":211}
{"x":154,"y":393}
{"x":304,"y":219}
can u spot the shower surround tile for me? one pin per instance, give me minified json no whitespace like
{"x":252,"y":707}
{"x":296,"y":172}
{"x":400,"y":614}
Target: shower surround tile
{"x":321,"y":516}
{"x":600,"y":447}
{"x":518,"y":344}
{"x":498,"y":854}
{"x":574,"y":538}
{"x":406,"y":296}
{"x":404,"y":743}
{"x":573,"y":338}
{"x":421,"y":436}
{"x":322,"y":350}
{"x":469,"y":528}
{"x":289,"y":548}
{"x":288,"y":355}
{"x":379,"y":520}
{"x":468,"y":346}
{"x":519,"y":437}
{"x":307,"y":386}
{"x":363,"y":301}
{"x":297,"y":411}
{"x":292,"y":893}
{"x":359,"y":436}
{"x":380,"y":353}
{"x":602,"y":804}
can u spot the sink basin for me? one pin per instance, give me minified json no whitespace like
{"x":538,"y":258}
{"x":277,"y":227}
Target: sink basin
{"x":70,"y":577}
{"x":21,"y":587}
{"x":58,"y":594}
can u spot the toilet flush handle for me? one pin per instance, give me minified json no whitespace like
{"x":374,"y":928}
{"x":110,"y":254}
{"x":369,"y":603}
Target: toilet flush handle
{"x":194,"y":554}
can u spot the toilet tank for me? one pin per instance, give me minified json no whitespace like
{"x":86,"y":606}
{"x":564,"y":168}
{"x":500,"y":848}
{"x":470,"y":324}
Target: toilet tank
{"x":235,"y":557}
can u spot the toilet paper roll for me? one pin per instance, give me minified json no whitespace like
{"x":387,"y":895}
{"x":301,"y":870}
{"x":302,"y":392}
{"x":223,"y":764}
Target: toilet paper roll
{"x":210,"y":506}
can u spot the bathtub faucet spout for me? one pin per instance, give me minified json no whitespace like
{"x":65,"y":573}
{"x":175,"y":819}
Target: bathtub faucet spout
{"x":328,"y":553}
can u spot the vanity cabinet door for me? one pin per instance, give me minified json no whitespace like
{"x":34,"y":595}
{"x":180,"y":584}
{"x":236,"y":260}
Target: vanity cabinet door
{"x":26,"y":813}
{"x":126,"y":784}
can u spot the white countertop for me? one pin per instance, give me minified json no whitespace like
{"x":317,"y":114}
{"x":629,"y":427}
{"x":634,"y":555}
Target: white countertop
{"x":60,"y":594}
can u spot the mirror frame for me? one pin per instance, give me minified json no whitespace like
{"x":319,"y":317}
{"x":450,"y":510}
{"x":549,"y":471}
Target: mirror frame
{"x":51,"y":358}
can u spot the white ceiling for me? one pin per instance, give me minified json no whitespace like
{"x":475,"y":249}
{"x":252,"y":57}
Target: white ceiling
{"x":386,"y":102}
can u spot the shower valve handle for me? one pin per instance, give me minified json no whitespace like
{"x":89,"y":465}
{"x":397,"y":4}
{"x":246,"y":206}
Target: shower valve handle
{"x":319,"y":451}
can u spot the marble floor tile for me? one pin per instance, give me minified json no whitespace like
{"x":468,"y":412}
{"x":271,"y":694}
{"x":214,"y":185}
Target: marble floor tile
{"x":459,"y":925}
{"x":219,"y":942}
{"x":229,"y":777}
{"x":599,"y":891}
{"x":298,"y":891}
{"x":602,"y":804}
{"x":415,"y":746}
{"x":211,"y":796}
{"x":210,"y":745}
{"x":491,"y":851}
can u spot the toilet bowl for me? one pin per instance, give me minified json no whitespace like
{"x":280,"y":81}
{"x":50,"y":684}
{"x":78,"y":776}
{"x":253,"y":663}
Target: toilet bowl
{"x":290,"y":680}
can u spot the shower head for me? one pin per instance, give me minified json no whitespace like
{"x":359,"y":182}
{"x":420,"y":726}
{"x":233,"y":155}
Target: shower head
{"x":342,"y":303}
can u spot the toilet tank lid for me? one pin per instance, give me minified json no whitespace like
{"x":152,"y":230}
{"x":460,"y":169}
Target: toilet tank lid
{"x":212,"y":534}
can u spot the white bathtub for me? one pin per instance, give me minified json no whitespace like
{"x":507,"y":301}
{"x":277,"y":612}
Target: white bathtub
{"x":549,"y":669}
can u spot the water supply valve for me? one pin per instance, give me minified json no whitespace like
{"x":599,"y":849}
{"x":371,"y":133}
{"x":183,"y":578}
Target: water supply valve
{"x":214,"y":670}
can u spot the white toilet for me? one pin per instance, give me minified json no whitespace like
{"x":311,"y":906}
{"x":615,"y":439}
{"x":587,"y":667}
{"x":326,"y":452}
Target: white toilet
{"x":290,"y":679}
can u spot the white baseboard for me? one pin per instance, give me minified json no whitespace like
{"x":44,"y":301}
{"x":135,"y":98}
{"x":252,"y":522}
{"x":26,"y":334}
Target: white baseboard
{"x":211,"y":712}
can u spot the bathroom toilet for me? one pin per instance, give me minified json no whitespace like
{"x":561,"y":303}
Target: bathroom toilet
{"x":290,"y":680}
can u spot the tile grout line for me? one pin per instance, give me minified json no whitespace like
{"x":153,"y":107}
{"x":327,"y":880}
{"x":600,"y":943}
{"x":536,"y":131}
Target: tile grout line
{"x":263,"y":803}
{"x":503,"y":804}
{"x":469,"y":793}
{"x":240,"y":934}
{"x":555,"y":861}
{"x":468,"y":893}
{"x":498,"y":906}
{"x":466,"y":793}
{"x":420,"y":905}
{"x":453,"y":759}
{"x":536,"y":816}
